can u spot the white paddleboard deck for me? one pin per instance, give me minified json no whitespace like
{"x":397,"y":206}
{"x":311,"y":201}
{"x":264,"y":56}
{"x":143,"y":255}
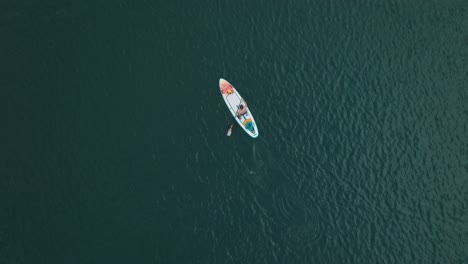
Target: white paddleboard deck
{"x":233,"y":100}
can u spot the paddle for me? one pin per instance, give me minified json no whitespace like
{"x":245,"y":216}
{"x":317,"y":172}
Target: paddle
{"x":230,"y":131}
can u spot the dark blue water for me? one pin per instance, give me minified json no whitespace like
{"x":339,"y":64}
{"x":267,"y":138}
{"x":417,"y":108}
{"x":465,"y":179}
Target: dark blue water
{"x":114,"y":142}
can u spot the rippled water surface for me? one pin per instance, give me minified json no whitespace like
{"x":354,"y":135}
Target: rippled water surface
{"x":115,"y":147}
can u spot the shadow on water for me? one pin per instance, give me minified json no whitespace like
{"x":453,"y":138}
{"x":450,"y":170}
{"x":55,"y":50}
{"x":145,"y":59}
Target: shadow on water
{"x":263,"y":168}
{"x":291,"y":214}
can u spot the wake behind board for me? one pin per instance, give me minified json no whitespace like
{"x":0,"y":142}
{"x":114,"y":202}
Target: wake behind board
{"x":233,"y":100}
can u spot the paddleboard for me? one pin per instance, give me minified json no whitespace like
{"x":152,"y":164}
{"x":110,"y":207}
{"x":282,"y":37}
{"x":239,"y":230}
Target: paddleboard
{"x":233,"y":100}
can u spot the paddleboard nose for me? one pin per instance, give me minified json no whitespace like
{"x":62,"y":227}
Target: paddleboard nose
{"x":221,"y":81}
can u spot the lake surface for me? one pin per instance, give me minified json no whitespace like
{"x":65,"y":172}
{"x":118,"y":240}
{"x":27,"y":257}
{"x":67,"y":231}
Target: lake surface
{"x":114,"y":132}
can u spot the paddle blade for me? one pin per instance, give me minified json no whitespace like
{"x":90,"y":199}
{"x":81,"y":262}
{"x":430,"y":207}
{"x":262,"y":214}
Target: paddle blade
{"x":229,"y":131}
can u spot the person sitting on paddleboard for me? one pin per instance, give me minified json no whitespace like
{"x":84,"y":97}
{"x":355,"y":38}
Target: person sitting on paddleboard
{"x":242,"y":109}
